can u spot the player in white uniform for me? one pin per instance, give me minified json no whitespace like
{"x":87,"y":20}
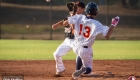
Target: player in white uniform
{"x":86,"y":28}
{"x":66,"y":46}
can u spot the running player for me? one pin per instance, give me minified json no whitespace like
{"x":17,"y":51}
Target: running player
{"x":66,"y":46}
{"x":86,"y":28}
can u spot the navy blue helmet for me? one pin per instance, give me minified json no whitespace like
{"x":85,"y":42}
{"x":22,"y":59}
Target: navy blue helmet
{"x":91,"y":8}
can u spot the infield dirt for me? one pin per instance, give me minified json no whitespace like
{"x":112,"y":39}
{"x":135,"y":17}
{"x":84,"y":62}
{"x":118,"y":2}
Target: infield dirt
{"x":45,"y":69}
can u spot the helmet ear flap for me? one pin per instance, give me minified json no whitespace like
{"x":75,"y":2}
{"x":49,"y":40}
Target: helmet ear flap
{"x":93,"y":12}
{"x":96,"y":13}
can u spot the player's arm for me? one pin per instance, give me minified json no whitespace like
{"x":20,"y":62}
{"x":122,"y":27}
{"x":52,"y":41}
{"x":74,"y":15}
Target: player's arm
{"x":109,"y":32}
{"x":60,"y":23}
{"x":113,"y":24}
{"x":72,"y":9}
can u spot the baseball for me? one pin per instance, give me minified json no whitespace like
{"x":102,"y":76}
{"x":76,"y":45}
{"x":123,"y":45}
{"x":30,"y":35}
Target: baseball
{"x":27,"y":26}
{"x":48,"y":0}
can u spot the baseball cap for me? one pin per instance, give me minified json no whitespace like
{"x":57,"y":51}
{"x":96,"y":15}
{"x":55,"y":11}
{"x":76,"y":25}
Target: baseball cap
{"x":80,"y":4}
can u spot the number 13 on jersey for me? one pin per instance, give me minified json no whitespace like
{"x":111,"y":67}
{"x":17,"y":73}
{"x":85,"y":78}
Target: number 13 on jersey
{"x":87,"y":30}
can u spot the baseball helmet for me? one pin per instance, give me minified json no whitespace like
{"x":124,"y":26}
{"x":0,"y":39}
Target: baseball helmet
{"x":91,"y":8}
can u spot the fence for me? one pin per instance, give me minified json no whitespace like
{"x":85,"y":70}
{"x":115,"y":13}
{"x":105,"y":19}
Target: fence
{"x":32,"y":19}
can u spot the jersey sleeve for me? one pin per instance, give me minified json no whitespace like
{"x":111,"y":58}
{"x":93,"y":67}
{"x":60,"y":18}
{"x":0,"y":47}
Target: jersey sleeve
{"x":100,"y":29}
{"x":72,"y":19}
{"x":105,"y":30}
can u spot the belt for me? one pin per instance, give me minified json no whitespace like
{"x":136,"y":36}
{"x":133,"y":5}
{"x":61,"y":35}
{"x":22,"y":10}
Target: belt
{"x":85,"y":46}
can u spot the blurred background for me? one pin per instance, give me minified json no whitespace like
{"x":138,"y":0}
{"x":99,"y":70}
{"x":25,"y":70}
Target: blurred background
{"x":32,"y":19}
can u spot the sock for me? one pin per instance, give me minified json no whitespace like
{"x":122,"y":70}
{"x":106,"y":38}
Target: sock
{"x":79,"y":63}
{"x":88,"y":70}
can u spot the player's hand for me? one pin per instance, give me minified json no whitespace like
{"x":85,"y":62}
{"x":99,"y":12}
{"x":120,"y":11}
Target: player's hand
{"x":65,"y":23}
{"x":54,"y":26}
{"x":115,"y":21}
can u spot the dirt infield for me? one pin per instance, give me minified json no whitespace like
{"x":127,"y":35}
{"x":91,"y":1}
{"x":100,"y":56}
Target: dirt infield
{"x":45,"y":69}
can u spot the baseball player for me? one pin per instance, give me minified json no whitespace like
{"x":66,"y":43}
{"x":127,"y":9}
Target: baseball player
{"x":86,"y":28}
{"x":66,"y":46}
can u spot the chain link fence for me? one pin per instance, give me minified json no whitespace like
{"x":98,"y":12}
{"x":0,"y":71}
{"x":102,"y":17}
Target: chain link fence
{"x":32,"y":19}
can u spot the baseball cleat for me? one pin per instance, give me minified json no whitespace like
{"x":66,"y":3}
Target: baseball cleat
{"x":78,"y":73}
{"x":59,"y":73}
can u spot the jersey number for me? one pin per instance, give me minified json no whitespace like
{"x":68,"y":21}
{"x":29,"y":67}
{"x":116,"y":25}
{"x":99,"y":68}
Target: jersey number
{"x":87,"y":33}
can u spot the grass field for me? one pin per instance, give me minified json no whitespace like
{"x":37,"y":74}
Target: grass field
{"x":43,"y":50}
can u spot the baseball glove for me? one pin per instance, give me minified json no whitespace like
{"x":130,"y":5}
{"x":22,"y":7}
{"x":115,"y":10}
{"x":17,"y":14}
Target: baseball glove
{"x":72,"y":7}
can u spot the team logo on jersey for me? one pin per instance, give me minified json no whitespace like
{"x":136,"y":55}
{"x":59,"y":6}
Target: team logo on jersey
{"x":132,"y":78}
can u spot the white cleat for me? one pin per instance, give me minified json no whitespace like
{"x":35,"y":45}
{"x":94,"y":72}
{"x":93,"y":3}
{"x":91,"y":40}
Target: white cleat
{"x":78,"y":73}
{"x":59,"y":73}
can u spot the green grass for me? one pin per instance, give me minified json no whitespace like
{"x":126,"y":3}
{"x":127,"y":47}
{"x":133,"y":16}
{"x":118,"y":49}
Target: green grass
{"x":43,"y":50}
{"x":117,"y":50}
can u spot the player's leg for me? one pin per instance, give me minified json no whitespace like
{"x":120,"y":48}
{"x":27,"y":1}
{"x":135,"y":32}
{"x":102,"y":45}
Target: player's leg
{"x":86,"y":57}
{"x":60,"y":51}
{"x":79,"y":65}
